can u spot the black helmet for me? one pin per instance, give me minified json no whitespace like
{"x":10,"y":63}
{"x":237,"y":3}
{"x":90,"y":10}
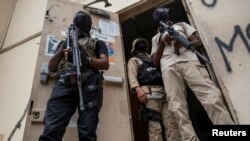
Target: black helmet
{"x":161,"y":14}
{"x":83,"y":21}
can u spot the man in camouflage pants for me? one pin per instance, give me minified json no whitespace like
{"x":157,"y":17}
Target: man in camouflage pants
{"x":149,"y":89}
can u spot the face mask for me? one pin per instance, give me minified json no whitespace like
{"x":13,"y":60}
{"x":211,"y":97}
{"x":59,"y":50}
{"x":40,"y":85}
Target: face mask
{"x":83,"y":21}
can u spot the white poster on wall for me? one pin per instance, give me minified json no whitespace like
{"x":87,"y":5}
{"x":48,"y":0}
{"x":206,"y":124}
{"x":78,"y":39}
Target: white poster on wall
{"x":51,"y":45}
{"x":109,"y":27}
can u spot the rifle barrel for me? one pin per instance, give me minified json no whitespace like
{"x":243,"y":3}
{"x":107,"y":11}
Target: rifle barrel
{"x":77,"y":63}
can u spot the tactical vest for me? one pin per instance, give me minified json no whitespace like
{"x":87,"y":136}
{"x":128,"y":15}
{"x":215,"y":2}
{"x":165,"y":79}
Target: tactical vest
{"x":148,"y":74}
{"x":87,"y":47}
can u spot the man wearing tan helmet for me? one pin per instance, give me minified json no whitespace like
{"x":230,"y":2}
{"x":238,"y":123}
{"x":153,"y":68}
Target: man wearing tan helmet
{"x":145,"y":80}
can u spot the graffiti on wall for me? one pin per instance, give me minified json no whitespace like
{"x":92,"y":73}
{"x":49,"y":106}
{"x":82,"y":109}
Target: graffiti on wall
{"x":209,"y":3}
{"x":229,"y":47}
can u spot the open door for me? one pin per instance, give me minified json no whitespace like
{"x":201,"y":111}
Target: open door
{"x":141,"y":25}
{"x":224,"y":28}
{"x":114,"y":118}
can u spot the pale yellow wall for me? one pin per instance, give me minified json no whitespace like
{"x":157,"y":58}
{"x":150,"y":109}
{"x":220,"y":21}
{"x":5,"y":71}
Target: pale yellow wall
{"x":219,"y":20}
{"x":16,"y":73}
{"x":6,"y":8}
{"x":27,"y":19}
{"x":18,"y":64}
{"x":1,"y":137}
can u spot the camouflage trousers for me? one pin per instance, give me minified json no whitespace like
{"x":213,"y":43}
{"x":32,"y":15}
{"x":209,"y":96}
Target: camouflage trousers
{"x":155,"y":130}
{"x":197,"y":78}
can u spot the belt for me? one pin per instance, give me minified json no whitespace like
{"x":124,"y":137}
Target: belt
{"x":61,"y":79}
{"x":85,"y":88}
{"x":156,"y":95}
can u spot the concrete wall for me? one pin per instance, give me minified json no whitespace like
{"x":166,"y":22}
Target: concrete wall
{"x":224,"y":27}
{"x":6,"y":8}
{"x":18,"y":64}
{"x":27,"y":19}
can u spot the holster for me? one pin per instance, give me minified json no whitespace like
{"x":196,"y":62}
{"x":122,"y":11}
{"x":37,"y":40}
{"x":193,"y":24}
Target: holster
{"x":99,"y":98}
{"x":149,"y":114}
{"x":96,"y":89}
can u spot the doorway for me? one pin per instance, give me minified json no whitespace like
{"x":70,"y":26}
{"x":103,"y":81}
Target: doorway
{"x":142,"y":25}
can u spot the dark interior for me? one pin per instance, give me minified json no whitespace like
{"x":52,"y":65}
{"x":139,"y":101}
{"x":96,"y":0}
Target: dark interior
{"x":142,"y":25}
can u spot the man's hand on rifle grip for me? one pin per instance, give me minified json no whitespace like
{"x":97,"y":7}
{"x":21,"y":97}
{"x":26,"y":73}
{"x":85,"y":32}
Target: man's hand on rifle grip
{"x":166,"y":38}
{"x":66,"y":52}
{"x":177,"y":44}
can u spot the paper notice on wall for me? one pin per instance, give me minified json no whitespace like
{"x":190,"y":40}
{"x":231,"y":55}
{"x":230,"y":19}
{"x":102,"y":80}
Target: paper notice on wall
{"x":102,"y":37}
{"x":108,"y":27}
{"x":51,"y":45}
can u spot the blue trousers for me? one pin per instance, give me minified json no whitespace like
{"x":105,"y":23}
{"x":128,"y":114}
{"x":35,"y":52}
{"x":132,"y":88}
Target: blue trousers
{"x":60,"y":108}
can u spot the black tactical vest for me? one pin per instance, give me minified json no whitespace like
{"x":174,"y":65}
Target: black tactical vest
{"x":148,"y":74}
{"x":87,"y":47}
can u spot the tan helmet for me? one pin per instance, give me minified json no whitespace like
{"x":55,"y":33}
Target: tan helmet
{"x":136,"y":41}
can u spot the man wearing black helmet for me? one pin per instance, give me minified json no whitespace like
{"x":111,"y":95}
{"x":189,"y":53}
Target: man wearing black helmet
{"x":64,"y":99}
{"x":179,"y":66}
{"x":146,"y":82}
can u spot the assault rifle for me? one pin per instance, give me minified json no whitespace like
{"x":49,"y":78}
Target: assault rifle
{"x":182,"y":40}
{"x":72,"y":44}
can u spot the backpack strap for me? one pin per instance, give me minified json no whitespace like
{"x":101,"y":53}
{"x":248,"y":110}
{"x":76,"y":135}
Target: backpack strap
{"x":143,"y":58}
